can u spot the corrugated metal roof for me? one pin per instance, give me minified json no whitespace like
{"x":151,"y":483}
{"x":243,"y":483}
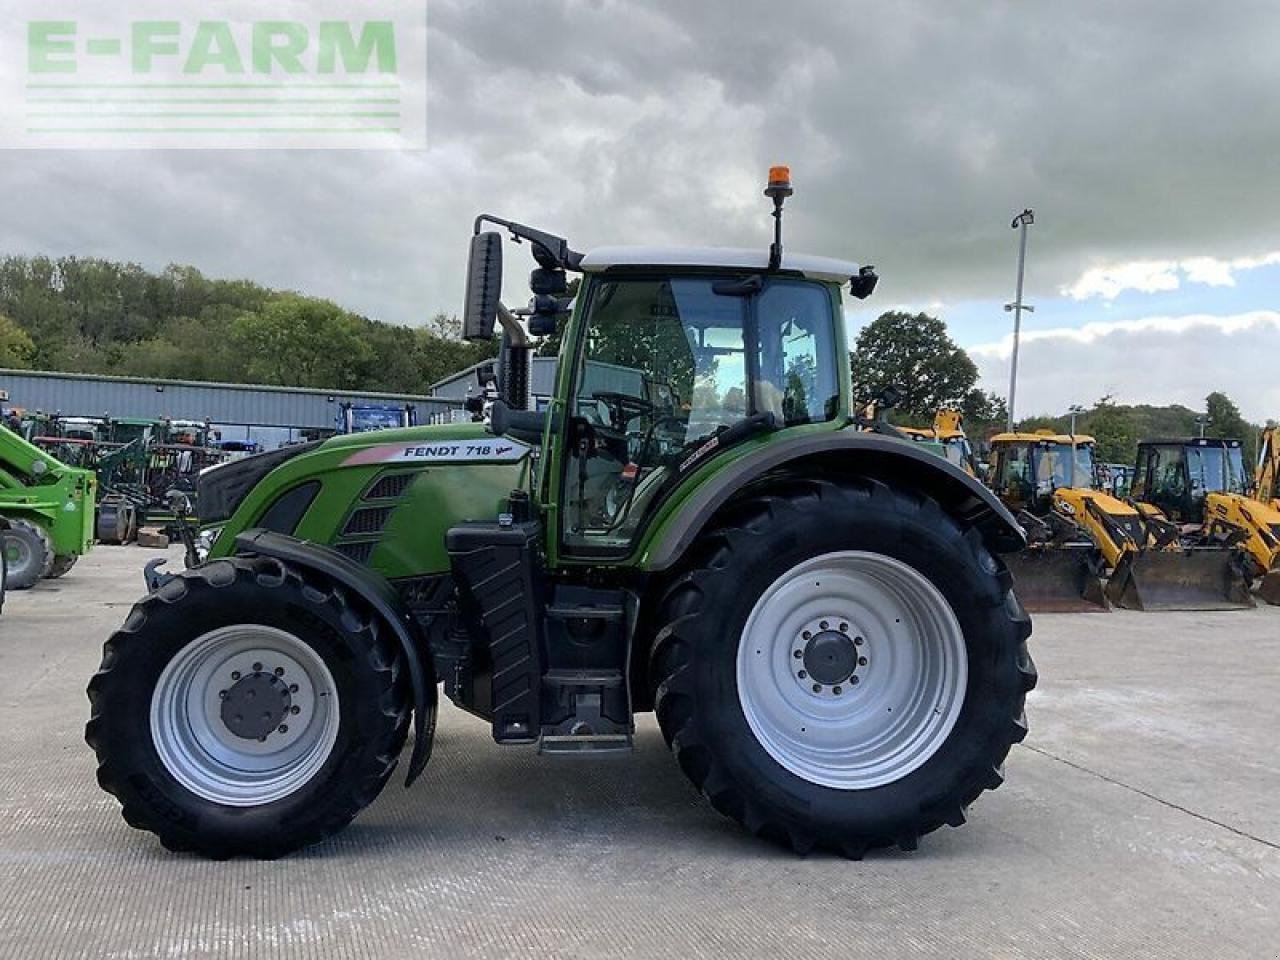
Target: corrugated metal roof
{"x":74,"y":394}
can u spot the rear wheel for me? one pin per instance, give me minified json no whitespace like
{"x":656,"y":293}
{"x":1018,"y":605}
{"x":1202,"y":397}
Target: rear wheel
{"x":61,"y":564}
{"x":28,"y":553}
{"x":243,"y":709}
{"x":842,"y":666}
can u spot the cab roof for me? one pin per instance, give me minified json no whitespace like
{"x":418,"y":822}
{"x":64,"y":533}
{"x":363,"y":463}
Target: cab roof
{"x":732,"y":258}
{"x":1062,"y":438}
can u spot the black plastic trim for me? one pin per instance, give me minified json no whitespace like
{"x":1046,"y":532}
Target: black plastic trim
{"x":288,"y":509}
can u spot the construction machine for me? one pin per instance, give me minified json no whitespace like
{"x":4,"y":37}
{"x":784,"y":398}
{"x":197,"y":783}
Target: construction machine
{"x":1075,"y":532}
{"x":359,"y":417}
{"x":49,"y":509}
{"x":948,"y":432}
{"x":1266,"y":476}
{"x":1198,"y":487}
{"x":1089,"y":549}
{"x":818,"y":615}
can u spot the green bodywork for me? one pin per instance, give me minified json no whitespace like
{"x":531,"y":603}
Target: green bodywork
{"x":412,"y":541}
{"x":37,"y":487}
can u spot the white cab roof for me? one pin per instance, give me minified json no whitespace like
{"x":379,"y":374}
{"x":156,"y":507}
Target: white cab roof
{"x":750,"y":258}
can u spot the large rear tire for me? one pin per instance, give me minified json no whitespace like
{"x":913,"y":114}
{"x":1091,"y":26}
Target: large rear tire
{"x":246,"y":708}
{"x":843,"y":666}
{"x":29,"y":553}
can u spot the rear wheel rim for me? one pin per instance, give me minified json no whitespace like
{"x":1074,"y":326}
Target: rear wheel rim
{"x":244,"y":715}
{"x":852,"y":670}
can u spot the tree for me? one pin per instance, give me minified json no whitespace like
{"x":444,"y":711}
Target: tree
{"x":1114,"y":429}
{"x":17,"y":350}
{"x":302,"y":342}
{"x":913,"y":353}
{"x":1225,"y":421}
{"x":984,"y":413}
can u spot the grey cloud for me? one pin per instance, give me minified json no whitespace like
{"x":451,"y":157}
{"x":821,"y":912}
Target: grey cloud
{"x":915,"y":130}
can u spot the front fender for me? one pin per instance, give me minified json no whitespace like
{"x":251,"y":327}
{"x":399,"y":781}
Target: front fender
{"x":833,"y":454}
{"x":382,"y":597}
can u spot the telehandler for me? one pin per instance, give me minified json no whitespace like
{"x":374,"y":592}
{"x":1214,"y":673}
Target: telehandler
{"x":49,"y":507}
{"x":1200,"y":487}
{"x":818,"y":616}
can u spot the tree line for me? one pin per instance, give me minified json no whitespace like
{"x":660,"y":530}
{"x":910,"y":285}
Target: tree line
{"x":914,"y":353}
{"x":87,"y":315}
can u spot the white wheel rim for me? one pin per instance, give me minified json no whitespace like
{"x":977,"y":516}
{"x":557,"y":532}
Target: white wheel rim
{"x":244,"y":715}
{"x":906,"y":677}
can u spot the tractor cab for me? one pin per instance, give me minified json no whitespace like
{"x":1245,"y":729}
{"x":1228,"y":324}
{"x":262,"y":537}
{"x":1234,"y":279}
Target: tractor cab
{"x":1177,"y":475}
{"x":947,"y":433}
{"x":1029,"y":467}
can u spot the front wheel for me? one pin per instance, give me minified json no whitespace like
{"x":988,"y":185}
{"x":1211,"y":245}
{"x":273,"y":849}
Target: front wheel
{"x":28,"y":553}
{"x":245,"y":710}
{"x":842,"y":666}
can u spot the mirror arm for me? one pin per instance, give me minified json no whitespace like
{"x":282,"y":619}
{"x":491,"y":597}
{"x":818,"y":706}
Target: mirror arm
{"x":512,"y":327}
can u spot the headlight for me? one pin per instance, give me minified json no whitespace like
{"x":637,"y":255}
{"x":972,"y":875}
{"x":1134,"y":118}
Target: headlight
{"x":205,"y":540}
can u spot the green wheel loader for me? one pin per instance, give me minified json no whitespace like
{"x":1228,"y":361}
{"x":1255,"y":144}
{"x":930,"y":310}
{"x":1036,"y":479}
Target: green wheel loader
{"x":49,"y":509}
{"x":818,"y":615}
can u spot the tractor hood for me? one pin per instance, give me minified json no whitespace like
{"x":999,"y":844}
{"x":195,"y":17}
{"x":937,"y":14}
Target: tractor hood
{"x":383,"y":498}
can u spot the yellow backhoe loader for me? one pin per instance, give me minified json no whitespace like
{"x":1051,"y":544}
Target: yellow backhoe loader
{"x":1266,"y":476}
{"x":1074,"y":532}
{"x":1078,"y":533}
{"x":948,"y":432}
{"x":1200,"y":486}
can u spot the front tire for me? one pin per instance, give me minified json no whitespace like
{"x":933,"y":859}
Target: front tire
{"x":246,"y":708}
{"x":29,"y":553}
{"x":793,"y":728}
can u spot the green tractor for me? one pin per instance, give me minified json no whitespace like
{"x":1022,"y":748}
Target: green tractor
{"x":695,"y":526}
{"x":49,"y":509}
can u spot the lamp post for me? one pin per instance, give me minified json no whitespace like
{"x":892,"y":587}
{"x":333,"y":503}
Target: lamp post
{"x":1020,"y":223}
{"x":1202,"y":422}
{"x":1075,"y":410}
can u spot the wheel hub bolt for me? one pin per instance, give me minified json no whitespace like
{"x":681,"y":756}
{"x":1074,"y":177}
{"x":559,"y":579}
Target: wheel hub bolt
{"x":257,"y":668}
{"x":279,"y":671}
{"x":235,"y":674}
{"x":853,"y":680}
{"x":222,"y":694}
{"x":844,"y":628}
{"x":802,"y":674}
{"x":284,"y":728}
{"x":807,"y":635}
{"x":293,"y":688}
{"x":837,"y":690}
{"x":824,"y":625}
{"x":862,"y":661}
{"x":817,"y":688}
{"x":857,"y":641}
{"x":295,"y":710}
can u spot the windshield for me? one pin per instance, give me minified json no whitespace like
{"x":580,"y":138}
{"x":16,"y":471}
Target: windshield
{"x":1208,"y":469}
{"x":1237,"y":479}
{"x":363,"y":419}
{"x":668,"y":363}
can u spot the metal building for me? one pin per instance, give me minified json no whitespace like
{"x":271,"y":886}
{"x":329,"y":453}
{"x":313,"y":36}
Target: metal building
{"x":241,"y":411}
{"x":542,"y":380}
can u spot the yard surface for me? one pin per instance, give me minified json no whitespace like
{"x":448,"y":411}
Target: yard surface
{"x":1141,"y":818}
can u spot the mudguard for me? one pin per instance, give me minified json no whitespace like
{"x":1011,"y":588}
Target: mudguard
{"x":382,"y":597}
{"x":851,"y":453}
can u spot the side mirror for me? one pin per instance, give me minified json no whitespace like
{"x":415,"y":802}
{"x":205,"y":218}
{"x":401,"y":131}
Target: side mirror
{"x":864,"y":284}
{"x":484,"y":286}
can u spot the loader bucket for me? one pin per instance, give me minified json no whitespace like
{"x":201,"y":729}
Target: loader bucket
{"x":1057,"y":580}
{"x":1269,"y":590}
{"x":1199,"y":579}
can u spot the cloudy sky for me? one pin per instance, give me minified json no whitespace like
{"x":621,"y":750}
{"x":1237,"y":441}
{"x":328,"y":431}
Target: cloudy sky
{"x":1146,"y":135}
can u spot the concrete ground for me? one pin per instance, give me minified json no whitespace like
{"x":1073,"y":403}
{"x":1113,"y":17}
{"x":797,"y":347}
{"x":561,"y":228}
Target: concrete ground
{"x":1141,"y":818}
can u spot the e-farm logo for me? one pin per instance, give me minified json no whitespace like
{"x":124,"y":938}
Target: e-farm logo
{"x":254,"y":74}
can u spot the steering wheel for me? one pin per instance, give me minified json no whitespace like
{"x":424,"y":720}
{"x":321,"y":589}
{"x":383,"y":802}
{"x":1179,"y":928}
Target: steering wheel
{"x":623,"y":407}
